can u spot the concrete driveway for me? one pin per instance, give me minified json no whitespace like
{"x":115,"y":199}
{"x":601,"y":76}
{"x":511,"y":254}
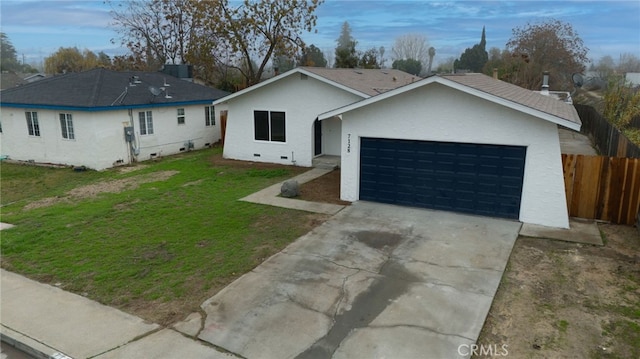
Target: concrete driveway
{"x":375,"y":281}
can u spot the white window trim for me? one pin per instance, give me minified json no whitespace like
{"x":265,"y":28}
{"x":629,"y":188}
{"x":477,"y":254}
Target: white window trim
{"x":183,"y":116}
{"x":71,"y":135}
{"x":211,"y":111}
{"x":146,"y":123}
{"x":30,"y":126}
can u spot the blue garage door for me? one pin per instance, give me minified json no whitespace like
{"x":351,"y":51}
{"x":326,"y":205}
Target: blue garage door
{"x":460,"y":177}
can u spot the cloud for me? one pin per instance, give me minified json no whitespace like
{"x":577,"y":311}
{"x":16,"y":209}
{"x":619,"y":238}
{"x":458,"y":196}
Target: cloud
{"x":70,"y":14}
{"x":607,"y":27}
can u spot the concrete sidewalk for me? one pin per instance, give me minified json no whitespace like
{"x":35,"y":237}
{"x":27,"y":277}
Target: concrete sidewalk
{"x":270,"y":196}
{"x":47,"y":322}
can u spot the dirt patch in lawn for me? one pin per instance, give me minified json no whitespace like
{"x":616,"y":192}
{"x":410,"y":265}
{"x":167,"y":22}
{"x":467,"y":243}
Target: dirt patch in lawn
{"x":566,"y":300}
{"x":94,"y":189}
{"x":323,"y":189}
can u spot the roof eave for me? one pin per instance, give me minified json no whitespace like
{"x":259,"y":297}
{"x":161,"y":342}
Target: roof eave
{"x":380,"y":97}
{"x":104,"y":108}
{"x":285,"y":75}
{"x":513,"y":105}
{"x":495,"y":99}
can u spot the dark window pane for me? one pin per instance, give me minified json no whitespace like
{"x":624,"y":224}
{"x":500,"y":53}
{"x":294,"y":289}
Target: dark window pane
{"x":149,"y":123}
{"x":277,"y":127}
{"x":207,"y":116}
{"x":143,"y":123}
{"x":63,"y":125}
{"x":261,"y":125}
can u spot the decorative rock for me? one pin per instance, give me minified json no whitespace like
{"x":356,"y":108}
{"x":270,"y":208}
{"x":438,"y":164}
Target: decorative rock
{"x":290,"y":189}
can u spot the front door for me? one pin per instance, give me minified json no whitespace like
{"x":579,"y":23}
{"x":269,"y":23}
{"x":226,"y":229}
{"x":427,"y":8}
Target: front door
{"x":317,"y":138}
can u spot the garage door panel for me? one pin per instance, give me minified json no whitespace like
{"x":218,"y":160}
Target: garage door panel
{"x":470,"y":178}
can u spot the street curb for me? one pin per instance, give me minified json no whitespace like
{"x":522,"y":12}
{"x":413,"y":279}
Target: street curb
{"x":28,"y":345}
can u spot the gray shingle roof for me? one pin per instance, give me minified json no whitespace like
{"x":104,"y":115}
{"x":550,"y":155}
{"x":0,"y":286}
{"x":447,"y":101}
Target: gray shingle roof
{"x":370,"y":81}
{"x":101,"y":89}
{"x":516,"y":94}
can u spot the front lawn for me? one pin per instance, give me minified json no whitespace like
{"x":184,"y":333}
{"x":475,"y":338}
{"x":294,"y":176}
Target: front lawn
{"x":156,"y":241}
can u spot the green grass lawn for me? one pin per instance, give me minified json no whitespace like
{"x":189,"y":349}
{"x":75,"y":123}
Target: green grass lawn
{"x":157,"y":250}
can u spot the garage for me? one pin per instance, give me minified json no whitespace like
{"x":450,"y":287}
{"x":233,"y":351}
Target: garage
{"x":464,"y":143}
{"x":470,"y":178}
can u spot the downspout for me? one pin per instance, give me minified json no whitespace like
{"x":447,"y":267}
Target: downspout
{"x":133,"y":150}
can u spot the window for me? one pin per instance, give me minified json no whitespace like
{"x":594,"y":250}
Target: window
{"x":269,"y":126}
{"x":66,"y":123}
{"x":181,"y":116}
{"x":32,"y":123}
{"x":146,"y":123}
{"x":209,"y":116}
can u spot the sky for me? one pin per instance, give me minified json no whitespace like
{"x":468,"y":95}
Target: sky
{"x":37,"y":28}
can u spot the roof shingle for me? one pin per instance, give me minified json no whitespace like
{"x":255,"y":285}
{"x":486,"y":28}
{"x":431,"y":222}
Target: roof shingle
{"x":516,"y":94}
{"x":101,"y":88}
{"x":369,"y":81}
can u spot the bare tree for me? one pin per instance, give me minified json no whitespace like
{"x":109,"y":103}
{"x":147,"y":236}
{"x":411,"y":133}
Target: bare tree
{"x":551,"y":46}
{"x":411,"y":46}
{"x":156,"y":31}
{"x":446,"y":66}
{"x":605,"y":67}
{"x":628,"y":63}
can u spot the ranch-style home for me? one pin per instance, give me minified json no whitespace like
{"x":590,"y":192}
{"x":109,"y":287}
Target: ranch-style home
{"x":467,"y":143}
{"x":102,"y":118}
{"x":276,"y":121}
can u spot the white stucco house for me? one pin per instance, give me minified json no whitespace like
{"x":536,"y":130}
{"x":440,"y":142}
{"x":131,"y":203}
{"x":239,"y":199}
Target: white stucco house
{"x":276,"y":121}
{"x":102,"y":118}
{"x":467,"y":143}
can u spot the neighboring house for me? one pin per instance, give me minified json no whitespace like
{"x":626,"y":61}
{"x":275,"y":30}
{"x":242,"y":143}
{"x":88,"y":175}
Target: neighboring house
{"x":465,"y":143}
{"x":102,"y":118}
{"x":276,"y":120}
{"x":632,"y":78}
{"x":10,"y":79}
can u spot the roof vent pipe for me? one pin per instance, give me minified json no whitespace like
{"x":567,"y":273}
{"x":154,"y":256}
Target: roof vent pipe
{"x":495,"y":73}
{"x":545,"y":83}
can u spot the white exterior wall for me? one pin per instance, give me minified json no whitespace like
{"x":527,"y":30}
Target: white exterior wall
{"x":169,"y":137}
{"x":302,"y":101}
{"x":331,"y":135}
{"x":99,"y":136}
{"x":439,"y":113}
{"x":632,"y":78}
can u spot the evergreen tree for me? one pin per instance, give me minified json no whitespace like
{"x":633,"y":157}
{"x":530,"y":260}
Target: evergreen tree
{"x":9,"y":55}
{"x":346,"y":55}
{"x":474,"y":58}
{"x":312,"y":56}
{"x":369,"y":59}
{"x":410,"y":66}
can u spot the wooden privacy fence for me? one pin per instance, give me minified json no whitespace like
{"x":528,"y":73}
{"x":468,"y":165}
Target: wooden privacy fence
{"x":607,"y":138}
{"x":604,"y":188}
